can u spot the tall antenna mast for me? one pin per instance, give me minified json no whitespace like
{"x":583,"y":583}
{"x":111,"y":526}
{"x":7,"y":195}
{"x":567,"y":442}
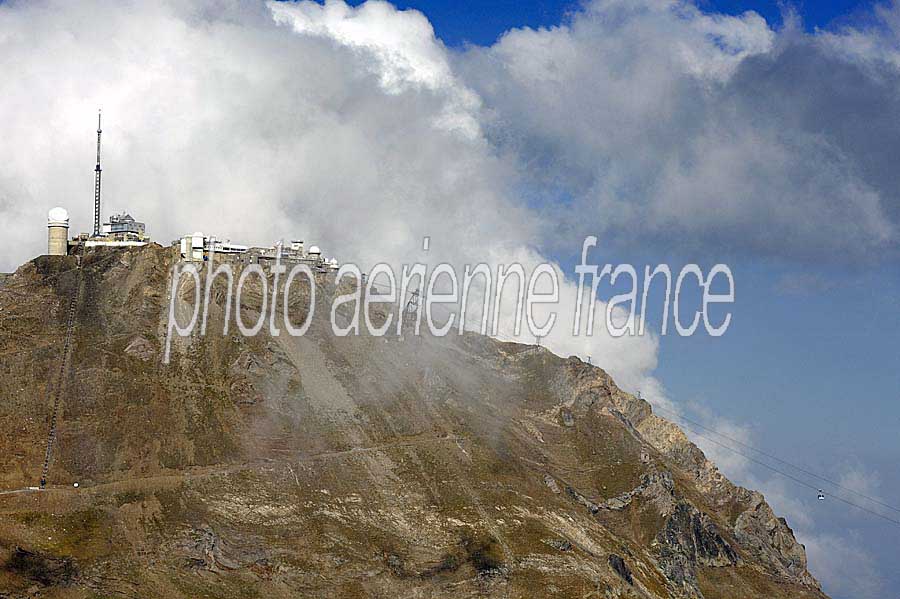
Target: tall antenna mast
{"x":97,"y":171}
{"x":410,"y":312}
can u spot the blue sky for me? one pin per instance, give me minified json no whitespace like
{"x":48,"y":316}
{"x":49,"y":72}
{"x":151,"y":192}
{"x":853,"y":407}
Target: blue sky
{"x":481,"y":23}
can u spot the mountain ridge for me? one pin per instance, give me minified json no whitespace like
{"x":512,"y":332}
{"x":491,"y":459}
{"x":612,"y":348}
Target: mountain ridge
{"x":353,"y":467}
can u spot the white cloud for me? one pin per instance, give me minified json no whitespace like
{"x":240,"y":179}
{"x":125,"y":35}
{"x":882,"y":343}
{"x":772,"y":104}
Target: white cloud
{"x":875,"y":43}
{"x":859,"y":478}
{"x":845,"y":565}
{"x":405,"y":50}
{"x":668,"y":126}
{"x":728,"y":434}
{"x":345,"y":126}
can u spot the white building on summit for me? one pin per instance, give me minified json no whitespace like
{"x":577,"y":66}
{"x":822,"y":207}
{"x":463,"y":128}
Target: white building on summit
{"x":124,"y":225}
{"x":58,"y":232}
{"x":198,"y":247}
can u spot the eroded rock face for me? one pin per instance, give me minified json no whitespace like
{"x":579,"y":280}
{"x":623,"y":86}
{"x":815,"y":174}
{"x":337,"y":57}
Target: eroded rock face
{"x":345,"y":467}
{"x":690,"y":538}
{"x":658,"y":487}
{"x":772,"y":541}
{"x":621,"y":568}
{"x":45,"y":570}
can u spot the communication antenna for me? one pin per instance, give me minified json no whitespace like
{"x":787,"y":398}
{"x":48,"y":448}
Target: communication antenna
{"x":97,"y":171}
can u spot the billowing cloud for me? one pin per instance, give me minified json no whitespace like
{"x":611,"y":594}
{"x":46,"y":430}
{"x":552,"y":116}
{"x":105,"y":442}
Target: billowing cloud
{"x":660,"y":124}
{"x":860,"y":479}
{"x":404,"y":51}
{"x":347,"y":127}
{"x":845,"y":565}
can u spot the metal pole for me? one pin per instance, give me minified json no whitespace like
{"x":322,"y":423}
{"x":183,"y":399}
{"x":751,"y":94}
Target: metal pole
{"x":97,"y":173}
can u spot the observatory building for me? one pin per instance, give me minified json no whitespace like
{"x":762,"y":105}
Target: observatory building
{"x":58,"y":232}
{"x":124,"y":225}
{"x":121,"y":230}
{"x":198,"y":247}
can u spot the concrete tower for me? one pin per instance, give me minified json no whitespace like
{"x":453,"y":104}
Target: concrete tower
{"x":58,"y":232}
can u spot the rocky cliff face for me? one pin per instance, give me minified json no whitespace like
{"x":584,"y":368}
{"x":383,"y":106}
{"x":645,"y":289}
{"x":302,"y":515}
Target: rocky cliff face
{"x":343,"y":467}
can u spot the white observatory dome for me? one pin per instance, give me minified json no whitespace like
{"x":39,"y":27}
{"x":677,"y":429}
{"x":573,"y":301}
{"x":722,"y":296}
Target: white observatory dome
{"x":58,"y":217}
{"x":314,"y":249}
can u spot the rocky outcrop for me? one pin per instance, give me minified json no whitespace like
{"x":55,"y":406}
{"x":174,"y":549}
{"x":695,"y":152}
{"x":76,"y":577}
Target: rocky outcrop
{"x":617,"y":563}
{"x":690,"y":537}
{"x":42,"y":569}
{"x":657,"y":487}
{"x":772,"y":541}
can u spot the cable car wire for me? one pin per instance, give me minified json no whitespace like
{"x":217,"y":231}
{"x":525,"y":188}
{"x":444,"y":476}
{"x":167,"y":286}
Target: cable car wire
{"x":797,"y":480}
{"x":779,"y":460}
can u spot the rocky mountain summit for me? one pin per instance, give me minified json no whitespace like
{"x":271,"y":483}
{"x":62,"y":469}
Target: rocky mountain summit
{"x":317,"y":466}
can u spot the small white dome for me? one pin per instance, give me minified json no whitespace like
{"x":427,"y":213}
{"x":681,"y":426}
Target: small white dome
{"x":58,"y":216}
{"x":314,"y":249}
{"x":334,"y":262}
